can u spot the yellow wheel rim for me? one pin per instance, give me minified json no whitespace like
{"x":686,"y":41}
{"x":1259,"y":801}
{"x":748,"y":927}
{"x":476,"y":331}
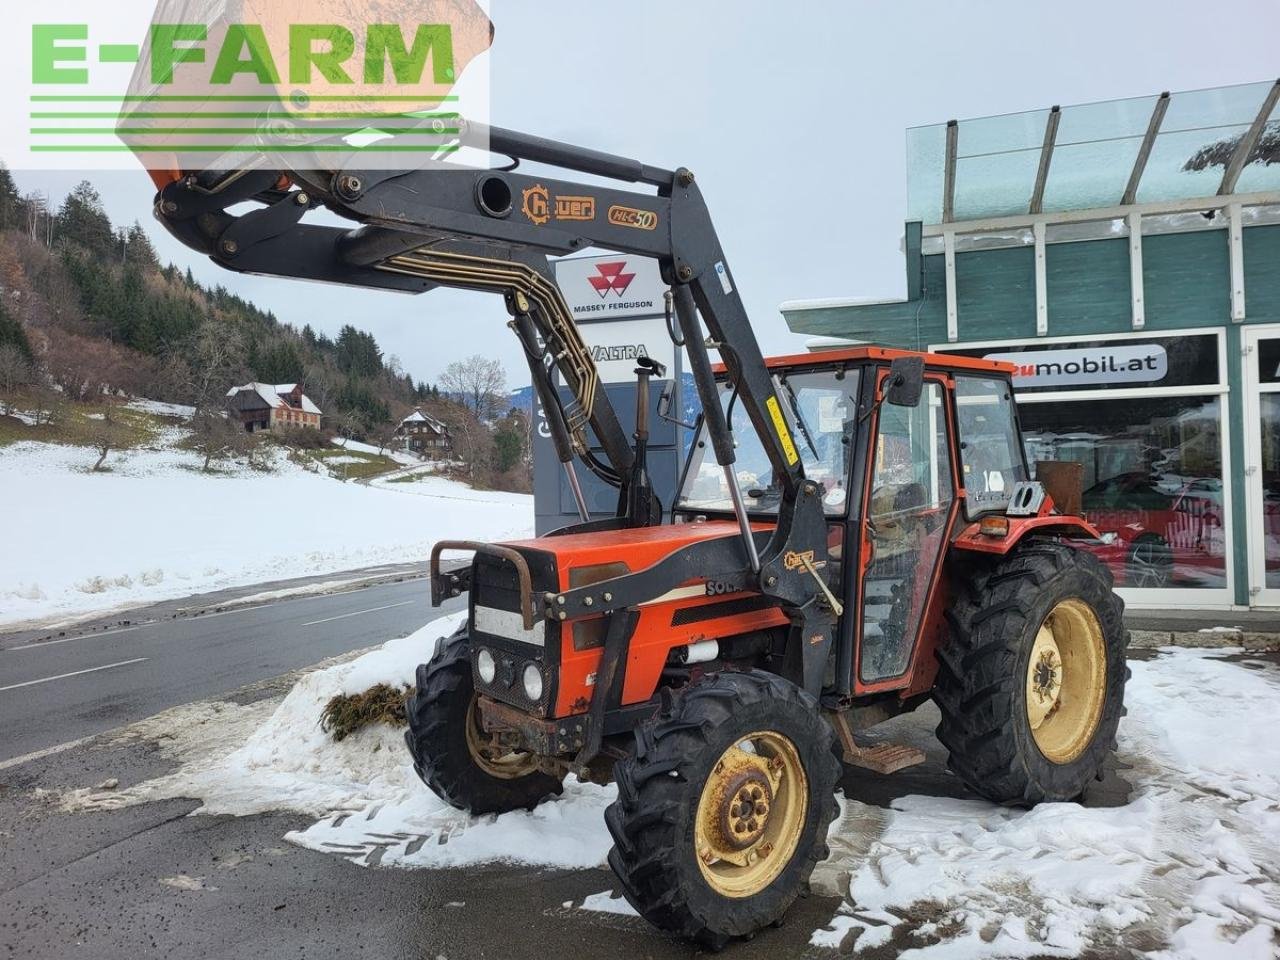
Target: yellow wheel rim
{"x":490,"y":756}
{"x":1066,"y":681}
{"x":751,"y":814}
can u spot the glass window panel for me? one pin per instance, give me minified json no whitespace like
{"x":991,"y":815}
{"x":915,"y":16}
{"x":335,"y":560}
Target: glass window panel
{"x":995,"y":185}
{"x":1002,"y":134}
{"x":821,"y":411}
{"x":1153,"y":483}
{"x":997,"y":159}
{"x":1269,"y":404}
{"x":989,"y":454}
{"x":911,"y":495}
{"x":1269,"y":361}
{"x":1262,"y":170}
{"x":1087,"y":175}
{"x":1094,"y":153}
{"x":1195,"y":141}
{"x":926,"y":160}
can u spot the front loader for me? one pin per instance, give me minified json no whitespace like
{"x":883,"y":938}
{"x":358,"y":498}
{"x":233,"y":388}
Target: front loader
{"x":855,"y":533}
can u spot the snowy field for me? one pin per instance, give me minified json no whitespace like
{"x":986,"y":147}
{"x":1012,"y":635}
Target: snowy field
{"x":155,"y":527}
{"x":1189,"y":868}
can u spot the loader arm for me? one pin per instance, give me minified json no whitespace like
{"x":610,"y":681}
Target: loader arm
{"x":493,"y":230}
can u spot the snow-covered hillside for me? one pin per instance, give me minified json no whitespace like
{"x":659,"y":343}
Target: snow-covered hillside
{"x":155,"y":527}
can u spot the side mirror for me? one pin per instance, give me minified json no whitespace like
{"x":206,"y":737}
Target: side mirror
{"x":664,"y":407}
{"x":905,"y":382}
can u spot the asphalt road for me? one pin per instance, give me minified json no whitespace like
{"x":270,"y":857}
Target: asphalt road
{"x":67,"y":687}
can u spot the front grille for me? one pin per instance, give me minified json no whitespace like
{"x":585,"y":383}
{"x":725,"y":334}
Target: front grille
{"x":497,"y":625}
{"x":725,"y":608}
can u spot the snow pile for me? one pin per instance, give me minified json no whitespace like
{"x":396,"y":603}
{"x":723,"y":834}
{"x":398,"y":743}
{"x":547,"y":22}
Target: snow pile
{"x":1190,"y":861}
{"x":155,"y":527}
{"x":237,"y":760}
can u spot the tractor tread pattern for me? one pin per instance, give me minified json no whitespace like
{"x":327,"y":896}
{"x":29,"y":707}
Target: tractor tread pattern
{"x":976,"y":689}
{"x":658,"y":790}
{"x":437,"y":713}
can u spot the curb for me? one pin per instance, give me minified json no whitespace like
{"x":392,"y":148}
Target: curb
{"x":1217,"y":637}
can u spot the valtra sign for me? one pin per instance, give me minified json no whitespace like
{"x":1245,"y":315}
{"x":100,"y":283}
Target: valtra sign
{"x":612,"y":287}
{"x":1090,"y":366}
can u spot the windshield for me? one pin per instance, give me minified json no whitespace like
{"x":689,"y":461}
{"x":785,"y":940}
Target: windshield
{"x":821,"y":409}
{"x":990,"y":454}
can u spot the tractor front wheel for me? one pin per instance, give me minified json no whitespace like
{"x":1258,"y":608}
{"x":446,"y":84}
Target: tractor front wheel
{"x":462,"y":764}
{"x":1031,"y":679}
{"x":723,"y":812}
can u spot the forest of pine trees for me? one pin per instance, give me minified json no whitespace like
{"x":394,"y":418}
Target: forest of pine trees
{"x":89,"y":302}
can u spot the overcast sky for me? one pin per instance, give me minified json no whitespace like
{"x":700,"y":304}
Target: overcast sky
{"x":792,"y":116}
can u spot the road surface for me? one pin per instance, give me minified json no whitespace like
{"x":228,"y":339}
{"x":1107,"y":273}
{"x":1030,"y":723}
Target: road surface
{"x":64,"y":688}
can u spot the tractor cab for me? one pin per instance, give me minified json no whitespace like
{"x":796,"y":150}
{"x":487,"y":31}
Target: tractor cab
{"x":911,"y":451}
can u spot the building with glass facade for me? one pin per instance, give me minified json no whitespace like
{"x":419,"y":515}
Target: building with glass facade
{"x":1126,"y":256}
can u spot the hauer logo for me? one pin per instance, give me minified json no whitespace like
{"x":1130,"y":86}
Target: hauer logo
{"x":1110,"y":365}
{"x":611,"y":279}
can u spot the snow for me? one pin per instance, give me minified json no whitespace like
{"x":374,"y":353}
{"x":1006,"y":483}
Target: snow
{"x":1193,"y":852}
{"x":156,"y":528}
{"x":399,"y":456}
{"x":161,"y":409}
{"x":1185,"y":870}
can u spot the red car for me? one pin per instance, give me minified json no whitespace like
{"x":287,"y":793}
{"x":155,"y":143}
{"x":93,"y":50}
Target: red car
{"x":1156,"y":539}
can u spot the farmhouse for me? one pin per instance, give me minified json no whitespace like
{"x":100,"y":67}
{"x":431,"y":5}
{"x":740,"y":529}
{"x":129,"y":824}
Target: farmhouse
{"x":267,"y":406}
{"x":423,"y":434}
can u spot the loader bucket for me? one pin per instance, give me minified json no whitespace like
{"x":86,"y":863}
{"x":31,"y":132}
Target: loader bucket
{"x":220,"y":83}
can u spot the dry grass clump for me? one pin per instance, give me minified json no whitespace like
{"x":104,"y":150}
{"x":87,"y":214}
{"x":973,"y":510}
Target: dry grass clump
{"x":346,"y":713}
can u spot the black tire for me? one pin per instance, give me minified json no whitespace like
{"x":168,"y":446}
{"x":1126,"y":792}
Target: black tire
{"x":652,"y":821}
{"x":439,"y":711}
{"x":1150,"y":562}
{"x":981,"y":688}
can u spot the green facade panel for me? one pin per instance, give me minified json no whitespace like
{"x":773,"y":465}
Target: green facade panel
{"x":1087,"y":286}
{"x":995,"y":294}
{"x":1188,"y":279}
{"x":1262,"y":274}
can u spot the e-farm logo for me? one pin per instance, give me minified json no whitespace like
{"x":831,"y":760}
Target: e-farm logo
{"x":373,"y":77}
{"x":314,"y":51}
{"x":1088,"y":366}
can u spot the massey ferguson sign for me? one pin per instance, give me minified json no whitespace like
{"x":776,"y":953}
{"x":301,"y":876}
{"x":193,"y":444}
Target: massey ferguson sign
{"x":1090,"y":366}
{"x":611,"y":287}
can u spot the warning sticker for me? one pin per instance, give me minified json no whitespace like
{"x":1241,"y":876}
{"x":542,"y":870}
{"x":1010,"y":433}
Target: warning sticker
{"x":780,"y":424}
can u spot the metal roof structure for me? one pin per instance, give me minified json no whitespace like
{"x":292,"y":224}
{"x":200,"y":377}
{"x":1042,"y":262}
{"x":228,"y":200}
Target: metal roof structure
{"x":1221,"y":142}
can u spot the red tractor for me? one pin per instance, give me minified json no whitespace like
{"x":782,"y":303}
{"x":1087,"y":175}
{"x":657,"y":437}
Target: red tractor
{"x":855,"y":534}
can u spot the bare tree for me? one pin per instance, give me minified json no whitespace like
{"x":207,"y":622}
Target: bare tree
{"x":103,"y":439}
{"x":383,"y":434}
{"x":39,"y":218}
{"x":478,"y":382}
{"x":15,"y":372}
{"x":214,"y":359}
{"x":216,"y":437}
{"x":472,"y":442}
{"x":47,"y":405}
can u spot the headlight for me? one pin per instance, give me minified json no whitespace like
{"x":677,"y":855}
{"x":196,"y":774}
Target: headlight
{"x":532,"y":682}
{"x":486,"y":666}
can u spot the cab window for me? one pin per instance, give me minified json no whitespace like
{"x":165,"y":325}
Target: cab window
{"x":990,"y":455}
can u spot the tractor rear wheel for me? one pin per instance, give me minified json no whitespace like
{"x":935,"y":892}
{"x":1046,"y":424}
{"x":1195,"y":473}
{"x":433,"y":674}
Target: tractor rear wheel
{"x":1031,"y":679}
{"x":723,"y":812}
{"x":453,"y":755}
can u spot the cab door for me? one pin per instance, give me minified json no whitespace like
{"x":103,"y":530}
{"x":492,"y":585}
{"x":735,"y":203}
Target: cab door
{"x":908,"y":506}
